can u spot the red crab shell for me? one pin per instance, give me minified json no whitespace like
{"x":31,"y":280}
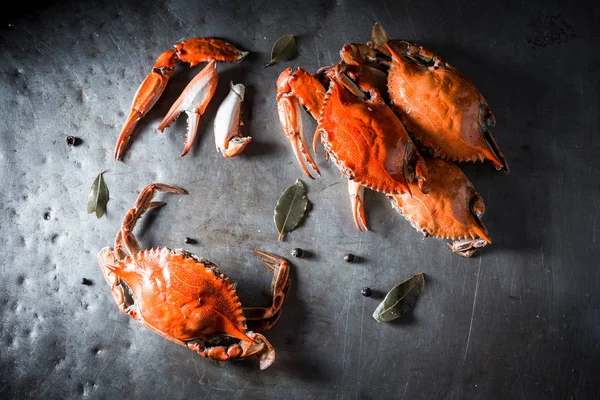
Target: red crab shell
{"x":368,"y":143}
{"x":441,"y":107}
{"x":180,"y":296}
{"x":453,"y":209}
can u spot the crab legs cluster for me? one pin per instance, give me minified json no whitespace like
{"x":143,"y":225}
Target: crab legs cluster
{"x":195,"y":97}
{"x":396,"y":119}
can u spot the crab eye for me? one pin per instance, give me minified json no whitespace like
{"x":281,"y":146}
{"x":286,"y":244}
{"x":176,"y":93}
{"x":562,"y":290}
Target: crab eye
{"x":477,"y":206}
{"x":487,"y":117}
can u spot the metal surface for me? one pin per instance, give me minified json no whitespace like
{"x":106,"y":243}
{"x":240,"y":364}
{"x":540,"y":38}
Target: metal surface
{"x":519,"y":320}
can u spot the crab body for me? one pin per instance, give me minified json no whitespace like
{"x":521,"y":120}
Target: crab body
{"x":367,"y":142}
{"x":187,"y":299}
{"x":440,"y":106}
{"x":452,"y":209}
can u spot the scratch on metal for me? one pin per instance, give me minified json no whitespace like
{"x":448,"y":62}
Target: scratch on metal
{"x":473,"y":309}
{"x":115,"y":42}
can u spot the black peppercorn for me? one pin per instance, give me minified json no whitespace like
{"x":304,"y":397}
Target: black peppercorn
{"x":365,"y":291}
{"x":297,"y":252}
{"x":349,"y":258}
{"x":72,"y":141}
{"x":85,"y":281}
{"x":190,"y":240}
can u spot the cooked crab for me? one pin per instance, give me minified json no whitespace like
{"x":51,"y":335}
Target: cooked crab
{"x":452,"y":209}
{"x":187,"y":299}
{"x":359,"y":132}
{"x":195,"y":97}
{"x":441,"y":108}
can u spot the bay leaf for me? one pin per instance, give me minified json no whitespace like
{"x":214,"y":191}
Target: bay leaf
{"x":379,"y":38}
{"x":400,"y":299}
{"x":283,"y":50}
{"x":290,"y":208}
{"x":98,"y":197}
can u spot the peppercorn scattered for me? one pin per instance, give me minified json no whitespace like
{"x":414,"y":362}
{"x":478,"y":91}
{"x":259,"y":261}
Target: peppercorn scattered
{"x":47,"y":216}
{"x":85,"y":281}
{"x":189,"y":240}
{"x":365,"y":291}
{"x":349,"y":258}
{"x":73,"y":141}
{"x":297,"y":252}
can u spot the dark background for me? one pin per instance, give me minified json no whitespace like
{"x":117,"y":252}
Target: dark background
{"x":519,"y":320}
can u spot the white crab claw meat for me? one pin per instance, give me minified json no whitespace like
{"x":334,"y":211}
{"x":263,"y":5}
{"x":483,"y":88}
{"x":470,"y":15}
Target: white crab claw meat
{"x":193,"y":101}
{"x":227,"y":125}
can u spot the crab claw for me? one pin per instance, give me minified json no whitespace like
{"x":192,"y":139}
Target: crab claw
{"x":466,"y":247}
{"x":228,"y":138}
{"x":258,"y":346}
{"x":193,"y":101}
{"x":146,"y":96}
{"x":288,"y":107}
{"x":266,"y":356}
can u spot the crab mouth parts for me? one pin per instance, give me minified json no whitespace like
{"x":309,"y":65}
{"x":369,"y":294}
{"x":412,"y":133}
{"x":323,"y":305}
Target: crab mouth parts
{"x":128,"y":294}
{"x":218,"y":341}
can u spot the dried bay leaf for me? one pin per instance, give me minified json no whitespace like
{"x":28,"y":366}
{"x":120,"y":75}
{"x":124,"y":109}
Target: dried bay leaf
{"x":290,"y":208}
{"x":400,"y":300}
{"x":379,"y":38}
{"x":283,"y":50}
{"x":98,"y":196}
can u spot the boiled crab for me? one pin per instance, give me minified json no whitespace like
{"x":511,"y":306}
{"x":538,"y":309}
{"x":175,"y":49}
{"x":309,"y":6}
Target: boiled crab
{"x":440,"y":106}
{"x":451,"y":210}
{"x":453,"y":122}
{"x":360,"y":134}
{"x":195,"y":97}
{"x":187,"y":299}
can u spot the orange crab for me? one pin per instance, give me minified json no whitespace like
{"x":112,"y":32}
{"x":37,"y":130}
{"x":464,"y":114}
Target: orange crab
{"x":195,"y":97}
{"x":187,"y":299}
{"x":452,"y":209}
{"x":440,"y":107}
{"x":360,"y":133}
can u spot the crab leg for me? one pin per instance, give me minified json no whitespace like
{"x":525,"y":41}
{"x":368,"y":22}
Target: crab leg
{"x":260,"y":348}
{"x":146,"y":96}
{"x":263,"y":318}
{"x":193,"y":101}
{"x":288,"y":107}
{"x":357,"y":193}
{"x":228,"y":138}
{"x":143,"y":203}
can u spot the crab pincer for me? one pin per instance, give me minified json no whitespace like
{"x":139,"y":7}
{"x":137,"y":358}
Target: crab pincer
{"x":227,"y":126}
{"x":193,"y":101}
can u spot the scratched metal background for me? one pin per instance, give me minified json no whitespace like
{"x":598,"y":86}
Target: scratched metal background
{"x":520,"y":320}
